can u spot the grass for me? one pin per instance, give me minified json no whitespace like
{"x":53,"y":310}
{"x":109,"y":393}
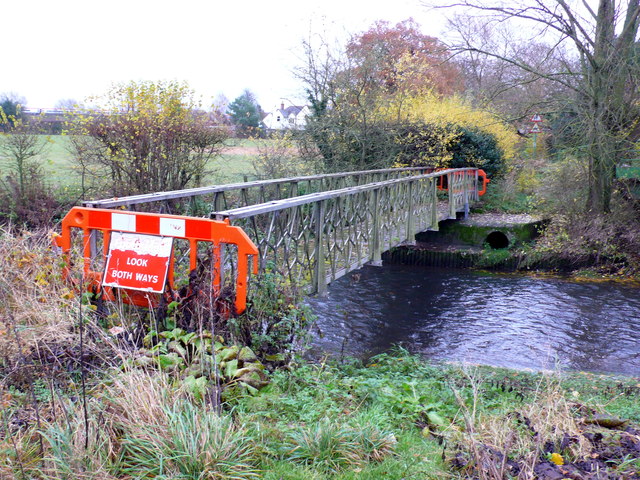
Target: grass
{"x":394,"y":418}
{"x":229,"y":167}
{"x":232,"y":168}
{"x":76,"y":407}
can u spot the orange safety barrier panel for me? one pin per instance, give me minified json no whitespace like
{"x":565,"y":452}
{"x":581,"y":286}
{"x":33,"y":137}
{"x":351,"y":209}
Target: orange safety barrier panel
{"x":482,"y":177}
{"x":192,"y":229}
{"x":483,"y":180}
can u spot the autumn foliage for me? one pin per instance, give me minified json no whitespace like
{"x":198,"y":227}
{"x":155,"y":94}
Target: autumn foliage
{"x":448,"y":132}
{"x":403,"y":58}
{"x":147,"y":137}
{"x":391,"y":100}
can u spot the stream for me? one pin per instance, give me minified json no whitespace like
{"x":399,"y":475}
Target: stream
{"x":512,"y":321}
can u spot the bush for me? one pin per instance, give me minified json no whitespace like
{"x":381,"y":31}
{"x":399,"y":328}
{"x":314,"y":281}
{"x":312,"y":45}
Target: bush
{"x":278,"y":157}
{"x":276,"y":322}
{"x":153,"y":137}
{"x":33,"y":206}
{"x":449,"y":146}
{"x":25,"y":199}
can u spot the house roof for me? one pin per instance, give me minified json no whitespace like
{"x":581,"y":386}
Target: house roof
{"x":292,"y":109}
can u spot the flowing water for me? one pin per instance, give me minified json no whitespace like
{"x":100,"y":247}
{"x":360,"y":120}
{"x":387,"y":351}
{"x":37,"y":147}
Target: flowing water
{"x":500,"y":320}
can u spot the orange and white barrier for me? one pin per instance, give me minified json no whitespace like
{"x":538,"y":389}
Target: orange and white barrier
{"x":483,"y":180}
{"x":138,"y":255}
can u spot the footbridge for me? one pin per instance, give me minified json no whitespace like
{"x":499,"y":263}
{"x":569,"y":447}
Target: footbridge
{"x":310,"y":229}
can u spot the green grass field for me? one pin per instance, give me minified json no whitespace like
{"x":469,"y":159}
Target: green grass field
{"x":230,"y":166}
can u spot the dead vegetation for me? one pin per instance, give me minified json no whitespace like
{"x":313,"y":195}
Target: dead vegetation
{"x":548,"y":438}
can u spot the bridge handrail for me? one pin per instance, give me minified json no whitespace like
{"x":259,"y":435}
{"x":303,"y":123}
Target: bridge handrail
{"x":275,"y":205}
{"x":193,"y":192}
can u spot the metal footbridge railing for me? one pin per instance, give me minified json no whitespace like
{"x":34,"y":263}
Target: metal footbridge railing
{"x":311,"y":229}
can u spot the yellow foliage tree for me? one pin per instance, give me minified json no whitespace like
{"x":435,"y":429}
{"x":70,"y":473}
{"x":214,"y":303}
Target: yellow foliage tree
{"x":446,"y":131}
{"x":146,"y":137}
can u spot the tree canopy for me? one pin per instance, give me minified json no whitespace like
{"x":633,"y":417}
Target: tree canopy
{"x":402,"y":57}
{"x":388,"y":93}
{"x":603,"y":78}
{"x":245,"y":113}
{"x":149,"y":136}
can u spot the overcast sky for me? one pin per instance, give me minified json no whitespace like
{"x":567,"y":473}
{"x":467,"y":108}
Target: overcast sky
{"x":58,"y":49}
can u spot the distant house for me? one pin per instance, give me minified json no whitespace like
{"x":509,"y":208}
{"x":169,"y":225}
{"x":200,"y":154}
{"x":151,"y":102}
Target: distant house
{"x":293,"y":117}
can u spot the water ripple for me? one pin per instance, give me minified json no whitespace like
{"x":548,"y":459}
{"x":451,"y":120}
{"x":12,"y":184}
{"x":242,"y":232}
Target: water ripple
{"x":510,"y":321}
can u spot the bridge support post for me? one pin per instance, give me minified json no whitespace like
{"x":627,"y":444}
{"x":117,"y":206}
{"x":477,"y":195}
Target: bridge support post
{"x":434,"y":205}
{"x":466,"y":194}
{"x":320,"y":282}
{"x":376,"y":249}
{"x":410,"y":219}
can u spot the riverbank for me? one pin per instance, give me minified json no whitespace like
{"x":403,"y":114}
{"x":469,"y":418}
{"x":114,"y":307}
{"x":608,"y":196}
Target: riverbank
{"x":394,"y":417}
{"x":526,"y":243}
{"x":106,"y":397}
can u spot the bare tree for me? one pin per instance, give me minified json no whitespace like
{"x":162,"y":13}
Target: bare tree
{"x":69,"y":104}
{"x":499,"y":85}
{"x":603,"y":79}
{"x":19,"y":150}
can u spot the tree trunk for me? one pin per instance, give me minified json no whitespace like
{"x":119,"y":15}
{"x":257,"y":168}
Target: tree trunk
{"x":609,"y":110}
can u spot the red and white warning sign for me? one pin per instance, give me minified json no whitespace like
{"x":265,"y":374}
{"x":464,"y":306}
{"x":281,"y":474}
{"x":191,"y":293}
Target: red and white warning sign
{"x":536,"y":118}
{"x":137,"y":261}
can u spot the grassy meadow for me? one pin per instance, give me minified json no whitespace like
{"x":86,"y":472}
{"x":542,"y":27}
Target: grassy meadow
{"x":234,"y":162}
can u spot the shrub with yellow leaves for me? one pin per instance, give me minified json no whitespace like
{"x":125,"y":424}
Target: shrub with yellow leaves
{"x":448,"y":132}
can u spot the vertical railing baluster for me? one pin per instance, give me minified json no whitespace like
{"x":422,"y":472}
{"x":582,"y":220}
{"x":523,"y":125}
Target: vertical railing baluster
{"x":476,"y":197}
{"x":376,"y":247}
{"x":410,"y":218}
{"x":452,"y":198}
{"x":466,"y":177}
{"x":320,"y":280}
{"x":293,"y":189}
{"x":434,"y":204}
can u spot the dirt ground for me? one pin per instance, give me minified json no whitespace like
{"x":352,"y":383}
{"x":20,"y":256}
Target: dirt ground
{"x":241,"y":150}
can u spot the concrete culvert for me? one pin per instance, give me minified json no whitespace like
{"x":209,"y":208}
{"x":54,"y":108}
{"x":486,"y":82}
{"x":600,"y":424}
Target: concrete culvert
{"x":497,"y":240}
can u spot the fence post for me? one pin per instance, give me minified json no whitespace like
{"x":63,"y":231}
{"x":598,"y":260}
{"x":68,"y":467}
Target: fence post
{"x":320,"y":282}
{"x":410,"y":218}
{"x":376,"y":249}
{"x":434,"y":204}
{"x":452,"y":197}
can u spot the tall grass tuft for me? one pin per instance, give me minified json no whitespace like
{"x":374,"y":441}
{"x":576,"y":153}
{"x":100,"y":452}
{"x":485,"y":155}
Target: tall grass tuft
{"x":194,"y":443}
{"x":66,"y":457}
{"x":332,"y":447}
{"x":325,"y":445}
{"x":162,"y":433}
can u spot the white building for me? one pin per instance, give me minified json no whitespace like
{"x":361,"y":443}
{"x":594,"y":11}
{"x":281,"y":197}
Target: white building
{"x":293,"y":117}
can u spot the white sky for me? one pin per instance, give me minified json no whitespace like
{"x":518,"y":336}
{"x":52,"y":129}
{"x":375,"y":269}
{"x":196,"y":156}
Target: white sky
{"x":57,"y":49}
